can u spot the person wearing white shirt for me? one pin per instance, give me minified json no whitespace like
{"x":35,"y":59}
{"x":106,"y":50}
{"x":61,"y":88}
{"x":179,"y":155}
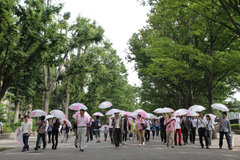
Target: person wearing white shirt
{"x":26,"y":129}
{"x":210,"y":128}
{"x":147,"y":130}
{"x":202,"y":130}
{"x":178,"y":131}
{"x":193,"y":130}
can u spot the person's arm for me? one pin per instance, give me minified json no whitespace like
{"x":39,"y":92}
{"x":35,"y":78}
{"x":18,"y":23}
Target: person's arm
{"x":76,"y":120}
{"x":30,"y":129}
{"x":20,"y":129}
{"x":229,"y":127}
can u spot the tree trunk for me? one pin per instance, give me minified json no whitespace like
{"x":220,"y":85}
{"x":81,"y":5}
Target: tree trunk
{"x":66,"y":102}
{"x":16,"y":111}
{"x":46,"y":101}
{"x":210,"y":97}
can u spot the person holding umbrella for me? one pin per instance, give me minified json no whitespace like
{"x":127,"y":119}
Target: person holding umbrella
{"x":55,"y":131}
{"x":110,"y":128}
{"x":170,"y":129}
{"x":163,"y":128}
{"x":41,"y":133}
{"x":117,"y":128}
{"x":141,"y":125}
{"x":202,"y":130}
{"x":82,"y":122}
{"x":64,"y":131}
{"x":26,"y":128}
{"x":125,"y":128}
{"x":97,"y":125}
{"x":225,"y":129}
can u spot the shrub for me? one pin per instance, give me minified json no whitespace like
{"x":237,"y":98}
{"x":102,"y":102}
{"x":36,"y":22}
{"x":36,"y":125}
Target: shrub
{"x":235,"y":126}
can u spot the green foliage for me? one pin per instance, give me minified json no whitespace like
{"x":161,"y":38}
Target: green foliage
{"x":235,"y":126}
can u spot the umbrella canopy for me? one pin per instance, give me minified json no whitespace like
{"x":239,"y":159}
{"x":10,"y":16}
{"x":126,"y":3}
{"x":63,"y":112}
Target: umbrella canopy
{"x":58,"y":114}
{"x":220,"y":107}
{"x":180,"y":112}
{"x":49,"y":116}
{"x":129,"y":114}
{"x":37,"y":113}
{"x":152,"y":116}
{"x":196,"y":108}
{"x":19,"y":138}
{"x":85,"y":114}
{"x":192,"y":114}
{"x":112,"y":111}
{"x":67,"y":122}
{"x":98,"y":114}
{"x":77,"y":107}
{"x":163,"y":110}
{"x":140,"y":112}
{"x":105,"y":105}
{"x":212,"y":116}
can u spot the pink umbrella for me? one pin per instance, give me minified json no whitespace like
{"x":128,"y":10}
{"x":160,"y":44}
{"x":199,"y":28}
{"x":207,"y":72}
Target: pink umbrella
{"x":129,"y":114}
{"x":67,"y":122}
{"x":105,"y":105}
{"x":163,"y":110}
{"x":77,"y":107}
{"x":196,"y":108}
{"x":98,"y":114}
{"x":37,"y":113}
{"x":58,"y":114}
{"x":85,"y":114}
{"x":193,"y":114}
{"x":140,"y":112}
{"x":180,"y":112}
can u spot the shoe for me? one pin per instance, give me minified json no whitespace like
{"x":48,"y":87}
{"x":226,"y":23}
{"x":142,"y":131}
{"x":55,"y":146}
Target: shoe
{"x":180,"y":144}
{"x":143,"y":143}
{"x":202,"y":147}
{"x":175,"y":144}
{"x":35,"y":148}
{"x":82,"y":150}
{"x":140,"y":144}
{"x":207,"y":147}
{"x":23,"y":150}
{"x":167,"y":145}
{"x":44,"y":148}
{"x":39,"y":146}
{"x":76,"y":146}
{"x":27,"y":148}
{"x":52,"y":147}
{"x":230,"y":148}
{"x":172,"y":146}
{"x":220,"y":147}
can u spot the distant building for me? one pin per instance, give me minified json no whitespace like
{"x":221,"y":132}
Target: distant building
{"x":234,"y":117}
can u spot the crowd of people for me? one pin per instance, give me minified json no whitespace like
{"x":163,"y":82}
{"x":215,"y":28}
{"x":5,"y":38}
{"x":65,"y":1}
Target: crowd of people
{"x":172,"y":130}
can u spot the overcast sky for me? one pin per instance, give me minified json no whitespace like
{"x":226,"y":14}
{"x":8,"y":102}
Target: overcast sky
{"x":119,"y":18}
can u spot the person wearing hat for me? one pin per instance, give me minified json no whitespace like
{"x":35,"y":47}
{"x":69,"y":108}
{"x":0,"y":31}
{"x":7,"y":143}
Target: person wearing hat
{"x":82,"y":123}
{"x":202,"y":130}
{"x":117,"y":128}
{"x":225,"y":129}
{"x":26,"y":129}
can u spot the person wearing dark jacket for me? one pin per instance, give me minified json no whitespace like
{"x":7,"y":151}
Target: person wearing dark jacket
{"x":41,"y":133}
{"x":55,"y":132}
{"x":64,"y":131}
{"x":186,"y":126}
{"x":97,"y":125}
{"x":117,"y":128}
{"x":163,"y":128}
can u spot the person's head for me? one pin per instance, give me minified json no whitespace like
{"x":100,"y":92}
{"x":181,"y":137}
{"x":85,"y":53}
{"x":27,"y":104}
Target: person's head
{"x":134,"y":119}
{"x":82,"y":112}
{"x":147,"y":119}
{"x":125,"y":116}
{"x":193,"y":117}
{"x":105,"y":127}
{"x":224,"y":114}
{"x":26,"y":118}
{"x":42,"y":118}
{"x":97,"y":117}
{"x":64,"y":122}
{"x":185,"y":115}
{"x":116,"y":114}
{"x":170,"y":115}
{"x":163,"y":115}
{"x":208,"y":117}
{"x":201,"y":114}
{"x":139,"y":116}
{"x":55,"y":118}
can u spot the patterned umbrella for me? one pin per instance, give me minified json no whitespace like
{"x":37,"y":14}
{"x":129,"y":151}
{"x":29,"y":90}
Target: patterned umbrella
{"x":37,"y":113}
{"x":77,"y":107}
{"x":196,"y":108}
{"x":58,"y":114}
{"x":98,"y":114}
{"x":220,"y":107}
{"x":105,"y":105}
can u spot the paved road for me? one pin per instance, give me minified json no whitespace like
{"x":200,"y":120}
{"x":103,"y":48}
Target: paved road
{"x":105,"y":151}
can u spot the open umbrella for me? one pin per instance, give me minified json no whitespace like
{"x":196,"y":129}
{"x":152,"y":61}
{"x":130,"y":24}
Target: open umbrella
{"x":105,"y":105}
{"x":180,"y":112}
{"x":49,"y":116}
{"x":165,"y":110}
{"x":196,"y":108}
{"x":220,"y":107}
{"x":140,"y":112}
{"x":58,"y":114}
{"x":85,"y":114}
{"x":112,"y":111}
{"x":77,"y":106}
{"x":37,"y":113}
{"x":98,"y":114}
{"x":67,"y":122}
{"x":192,"y":114}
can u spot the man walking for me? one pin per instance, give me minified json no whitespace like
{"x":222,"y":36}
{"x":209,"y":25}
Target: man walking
{"x":55,"y":132}
{"x":82,"y":122}
{"x":202,"y":131}
{"x":163,"y":128}
{"x":193,"y":130}
{"x":117,"y":128}
{"x":186,"y":123}
{"x":26,"y":128}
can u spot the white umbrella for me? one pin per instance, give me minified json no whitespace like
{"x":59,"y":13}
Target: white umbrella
{"x":167,"y":110}
{"x":67,"y":122}
{"x":192,"y":114}
{"x":158,"y":110}
{"x":58,"y":114}
{"x":49,"y":116}
{"x":180,"y":112}
{"x":112,"y":111}
{"x":196,"y":108}
{"x":85,"y":114}
{"x":105,"y":105}
{"x":220,"y":107}
{"x":98,"y":114}
{"x":37,"y":113}
{"x":77,"y":107}
{"x":152,"y":116}
{"x":19,"y":138}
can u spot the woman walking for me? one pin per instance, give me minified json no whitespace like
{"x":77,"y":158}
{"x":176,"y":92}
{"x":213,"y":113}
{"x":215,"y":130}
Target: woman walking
{"x":153,"y":128}
{"x":55,"y":132}
{"x":170,"y":129}
{"x":49,"y":130}
{"x":64,"y":131}
{"x":210,"y":128}
{"x":97,"y":125}
{"x":134,"y":129}
{"x":41,"y":133}
{"x":125,"y":129}
{"x":141,"y":130}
